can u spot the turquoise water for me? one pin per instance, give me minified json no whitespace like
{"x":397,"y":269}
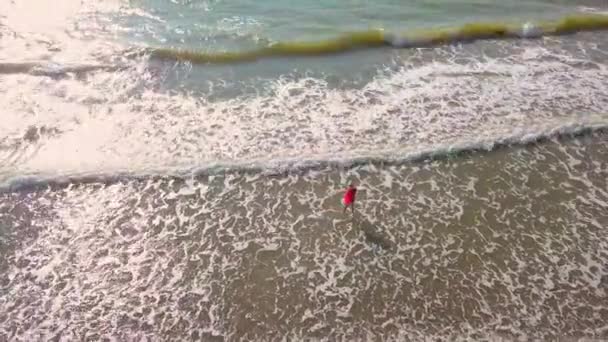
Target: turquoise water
{"x":218,"y":25}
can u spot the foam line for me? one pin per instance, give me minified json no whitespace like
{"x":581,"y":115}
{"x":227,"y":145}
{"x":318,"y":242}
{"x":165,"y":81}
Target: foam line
{"x":50,"y":69}
{"x":279,"y":167}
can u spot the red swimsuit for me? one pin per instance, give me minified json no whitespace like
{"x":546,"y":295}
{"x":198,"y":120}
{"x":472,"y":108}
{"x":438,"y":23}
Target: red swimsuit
{"x":349,"y":196}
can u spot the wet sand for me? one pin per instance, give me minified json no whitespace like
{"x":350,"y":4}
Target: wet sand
{"x":507,"y":244}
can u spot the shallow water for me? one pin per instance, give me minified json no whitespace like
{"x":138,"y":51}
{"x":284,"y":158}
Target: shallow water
{"x":149,"y":199}
{"x":483,"y":245}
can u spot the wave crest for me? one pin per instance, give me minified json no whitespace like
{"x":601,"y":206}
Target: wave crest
{"x":379,"y":38}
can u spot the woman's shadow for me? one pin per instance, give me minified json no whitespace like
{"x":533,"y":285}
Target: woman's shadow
{"x":373,"y":234}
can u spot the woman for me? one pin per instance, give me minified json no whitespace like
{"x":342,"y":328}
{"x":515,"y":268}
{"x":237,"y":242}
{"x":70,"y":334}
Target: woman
{"x":349,"y":197}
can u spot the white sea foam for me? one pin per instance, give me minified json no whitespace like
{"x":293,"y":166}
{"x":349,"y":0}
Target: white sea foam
{"x":114,"y":125}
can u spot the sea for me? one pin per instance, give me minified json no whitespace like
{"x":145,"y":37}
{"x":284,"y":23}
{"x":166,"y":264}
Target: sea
{"x":172,"y":170}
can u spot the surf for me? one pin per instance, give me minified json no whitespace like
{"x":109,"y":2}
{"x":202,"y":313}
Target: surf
{"x":372,"y":39}
{"x":296,"y":165}
{"x":54,"y":69}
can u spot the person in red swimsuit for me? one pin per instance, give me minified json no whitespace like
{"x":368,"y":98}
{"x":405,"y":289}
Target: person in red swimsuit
{"x":349,"y":197}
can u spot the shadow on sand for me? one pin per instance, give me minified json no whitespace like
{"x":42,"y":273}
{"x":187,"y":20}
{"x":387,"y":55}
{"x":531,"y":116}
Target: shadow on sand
{"x":373,"y":234}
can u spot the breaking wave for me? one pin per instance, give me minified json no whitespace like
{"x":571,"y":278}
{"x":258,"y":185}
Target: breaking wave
{"x":295,"y":165}
{"x":379,"y":38}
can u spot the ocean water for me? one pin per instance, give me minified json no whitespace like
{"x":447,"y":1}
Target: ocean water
{"x":172,"y":170}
